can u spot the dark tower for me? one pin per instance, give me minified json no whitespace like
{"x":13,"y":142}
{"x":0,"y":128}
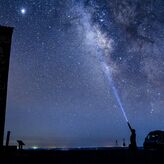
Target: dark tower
{"x":5,"y":45}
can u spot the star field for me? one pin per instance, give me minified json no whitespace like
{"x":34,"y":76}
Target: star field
{"x":58,"y":93}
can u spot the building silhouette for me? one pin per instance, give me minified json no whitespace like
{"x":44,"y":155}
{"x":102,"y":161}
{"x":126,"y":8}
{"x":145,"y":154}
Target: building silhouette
{"x":5,"y":45}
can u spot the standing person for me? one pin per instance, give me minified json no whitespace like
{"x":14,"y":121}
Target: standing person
{"x":132,"y":145}
{"x":124,"y":142}
{"x":116,"y":143}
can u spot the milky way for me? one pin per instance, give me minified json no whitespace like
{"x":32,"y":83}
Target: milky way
{"x":58,"y":93}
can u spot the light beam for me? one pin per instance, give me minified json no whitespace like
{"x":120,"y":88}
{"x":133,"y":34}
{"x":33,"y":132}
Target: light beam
{"x":107,"y":72}
{"x":106,"y":45}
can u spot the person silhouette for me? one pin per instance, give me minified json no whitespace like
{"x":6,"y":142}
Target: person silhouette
{"x":123,"y":142}
{"x":116,"y":143}
{"x":132,"y":145}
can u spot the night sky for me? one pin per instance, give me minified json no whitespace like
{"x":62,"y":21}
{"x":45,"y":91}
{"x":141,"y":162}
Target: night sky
{"x":68,"y":60}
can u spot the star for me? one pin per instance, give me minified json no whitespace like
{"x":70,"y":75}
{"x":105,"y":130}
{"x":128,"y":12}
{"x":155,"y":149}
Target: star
{"x":23,"y":11}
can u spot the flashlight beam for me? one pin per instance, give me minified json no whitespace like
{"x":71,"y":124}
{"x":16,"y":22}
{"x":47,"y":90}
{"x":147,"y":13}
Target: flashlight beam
{"x":108,"y":73}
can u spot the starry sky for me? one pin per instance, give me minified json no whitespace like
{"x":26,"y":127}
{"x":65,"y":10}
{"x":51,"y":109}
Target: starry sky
{"x":73,"y":61}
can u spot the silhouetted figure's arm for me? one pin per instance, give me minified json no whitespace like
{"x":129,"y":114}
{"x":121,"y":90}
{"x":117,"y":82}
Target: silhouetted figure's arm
{"x":129,"y":126}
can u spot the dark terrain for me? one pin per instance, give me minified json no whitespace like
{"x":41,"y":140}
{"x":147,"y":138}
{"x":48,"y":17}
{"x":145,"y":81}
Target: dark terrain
{"x":78,"y":156}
